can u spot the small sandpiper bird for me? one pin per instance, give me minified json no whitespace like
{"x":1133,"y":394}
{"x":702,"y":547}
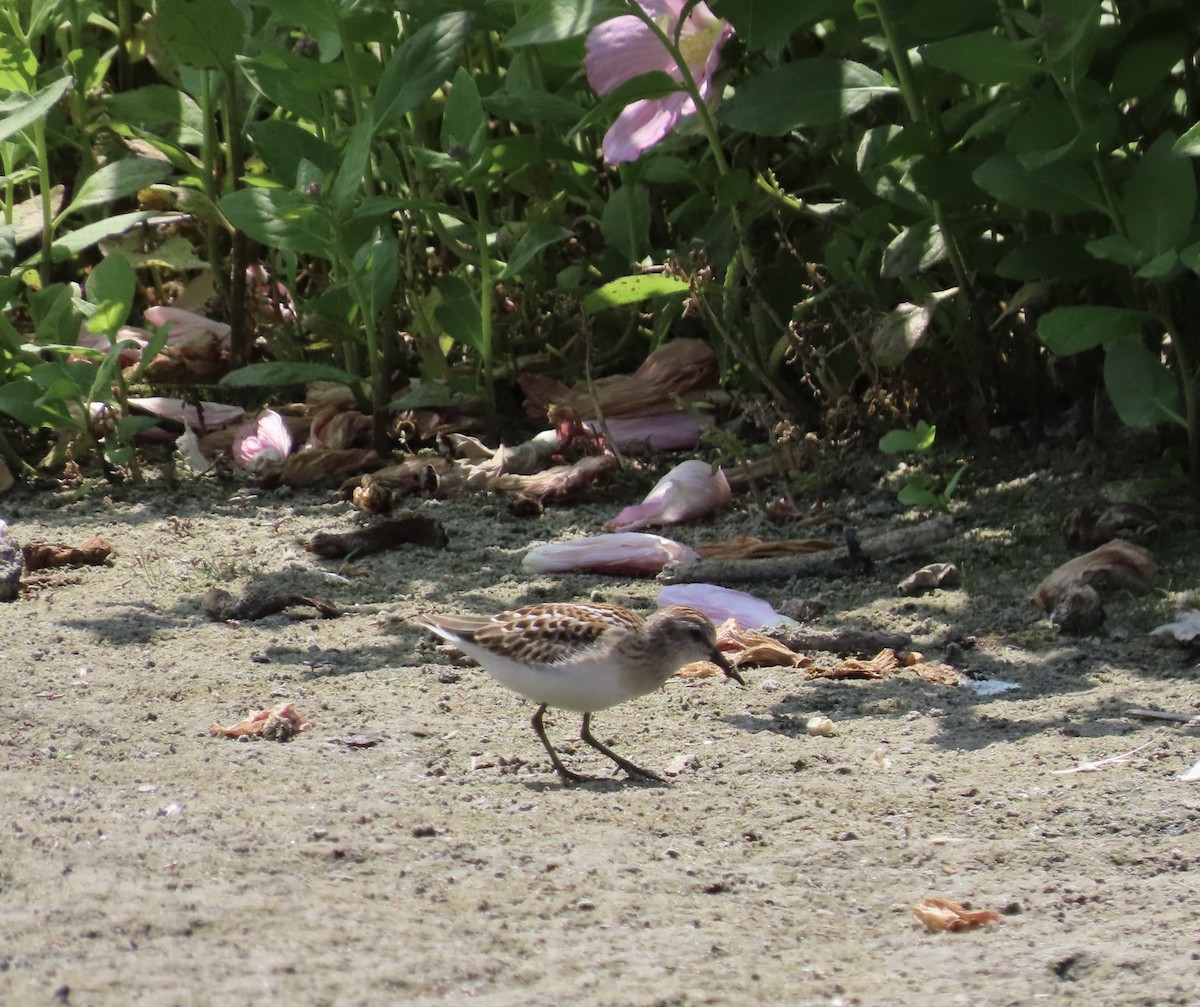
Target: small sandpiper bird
{"x":583,"y":657}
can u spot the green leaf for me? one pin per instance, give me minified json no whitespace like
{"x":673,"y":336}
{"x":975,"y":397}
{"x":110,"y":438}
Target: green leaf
{"x":632,"y":289}
{"x":19,"y":110}
{"x":159,"y":108}
{"x":1115,"y":248}
{"x":984,"y":58}
{"x":25,"y":402}
{"x":112,"y":282}
{"x":1074,"y":329}
{"x":769,"y":24}
{"x":812,"y":92}
{"x":206,"y":34}
{"x":559,"y":20}
{"x":646,"y":86}
{"x":535,"y":238}
{"x":1189,"y":143}
{"x":116,"y":180}
{"x":463,"y":122}
{"x":1161,"y":267}
{"x":355,"y":157}
{"x":625,"y":221}
{"x":76,"y":241}
{"x":284,"y":145}
{"x":1190,"y":257}
{"x":280,"y":218}
{"x":1057,"y":188}
{"x":458,"y":314}
{"x":530,"y":106}
{"x":313,"y":15}
{"x":285,"y":372}
{"x":420,"y":66}
{"x":913,"y":250}
{"x":920,"y":438}
{"x":427,"y":395}
{"x":1160,"y":198}
{"x":1144,"y":392}
{"x":378,"y":262}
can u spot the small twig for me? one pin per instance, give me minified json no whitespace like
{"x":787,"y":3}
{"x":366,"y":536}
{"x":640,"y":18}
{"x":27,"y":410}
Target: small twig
{"x":1186,"y":719}
{"x":1099,"y":764}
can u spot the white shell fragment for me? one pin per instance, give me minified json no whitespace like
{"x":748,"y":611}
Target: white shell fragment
{"x":820,"y":727}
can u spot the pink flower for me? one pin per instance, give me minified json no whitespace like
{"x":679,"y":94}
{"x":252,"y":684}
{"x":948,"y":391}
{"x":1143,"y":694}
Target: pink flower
{"x":624,"y":47}
{"x":264,"y":443}
{"x":690,"y":490}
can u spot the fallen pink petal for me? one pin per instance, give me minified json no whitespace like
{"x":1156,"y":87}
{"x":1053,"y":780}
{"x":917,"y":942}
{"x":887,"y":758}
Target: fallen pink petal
{"x":262,"y":444}
{"x":660,"y":432}
{"x":134,"y":341}
{"x":620,"y":49}
{"x":201,"y":416}
{"x":689,"y":491}
{"x":184,"y":325}
{"x":721,"y":603}
{"x":622,"y":552}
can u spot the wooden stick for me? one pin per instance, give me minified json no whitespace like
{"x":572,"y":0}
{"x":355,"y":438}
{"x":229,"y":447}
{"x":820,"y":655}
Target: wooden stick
{"x":1190,"y":719}
{"x":889,"y":545}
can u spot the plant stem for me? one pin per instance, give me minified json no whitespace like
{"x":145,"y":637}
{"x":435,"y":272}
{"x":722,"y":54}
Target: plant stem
{"x":46,"y":186}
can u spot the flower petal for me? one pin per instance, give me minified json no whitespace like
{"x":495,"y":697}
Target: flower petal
{"x":642,"y":124}
{"x":621,"y":49}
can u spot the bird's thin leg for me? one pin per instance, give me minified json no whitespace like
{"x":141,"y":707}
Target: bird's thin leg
{"x":564,"y":773}
{"x":586,"y":734}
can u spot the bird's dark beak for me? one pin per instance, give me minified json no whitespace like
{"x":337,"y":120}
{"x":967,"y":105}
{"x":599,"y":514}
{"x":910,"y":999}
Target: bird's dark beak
{"x":718,"y":659}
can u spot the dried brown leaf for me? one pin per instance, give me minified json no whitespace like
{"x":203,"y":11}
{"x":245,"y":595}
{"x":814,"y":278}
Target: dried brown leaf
{"x":276,"y":723}
{"x":749,"y":547}
{"x":940,"y":915}
{"x":1116,"y":563}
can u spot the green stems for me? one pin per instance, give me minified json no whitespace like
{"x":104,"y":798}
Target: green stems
{"x":45,"y":186}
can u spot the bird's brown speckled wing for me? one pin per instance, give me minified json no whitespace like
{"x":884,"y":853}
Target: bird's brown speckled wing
{"x":554,"y":632}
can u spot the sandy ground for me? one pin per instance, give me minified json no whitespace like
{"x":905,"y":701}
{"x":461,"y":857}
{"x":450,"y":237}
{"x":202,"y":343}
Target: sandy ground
{"x":414,"y":847}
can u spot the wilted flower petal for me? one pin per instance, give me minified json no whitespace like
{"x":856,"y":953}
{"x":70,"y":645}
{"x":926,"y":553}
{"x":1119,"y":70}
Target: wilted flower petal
{"x":265,"y":442}
{"x":721,"y":603}
{"x":690,"y":490}
{"x":624,"y":552}
{"x":185,"y":325}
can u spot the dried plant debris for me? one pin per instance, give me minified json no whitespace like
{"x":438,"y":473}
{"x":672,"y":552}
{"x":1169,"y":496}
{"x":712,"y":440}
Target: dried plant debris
{"x":941,"y":915}
{"x":749,"y":547}
{"x":930,"y":578}
{"x":12,"y":563}
{"x":1185,"y":629}
{"x":276,"y":723}
{"x":1084,"y":528}
{"x":221,"y":606}
{"x":1078,"y":610}
{"x":888,"y":663}
{"x":1115,"y":564}
{"x":43,"y":555}
{"x":412,"y":528}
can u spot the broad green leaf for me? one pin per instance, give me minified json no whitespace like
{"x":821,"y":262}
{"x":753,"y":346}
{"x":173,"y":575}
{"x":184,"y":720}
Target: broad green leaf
{"x":1144,"y":392}
{"x":113,"y":281}
{"x":25,"y":402}
{"x":1115,"y":248}
{"x":312,"y":15}
{"x":19,"y":110}
{"x":74,"y":242}
{"x":159,"y":108}
{"x":1160,"y":198}
{"x":769,"y":24}
{"x":1057,"y":188}
{"x":625,"y":221}
{"x":1146,"y":66}
{"x":1189,"y":143}
{"x":377,"y":263}
{"x":420,"y":66}
{"x":1161,"y":267}
{"x":355,"y":157}
{"x":206,"y":34}
{"x":898,"y":333}
{"x":528,"y":105}
{"x":463,"y":122}
{"x":280,"y":218}
{"x":275,"y":375}
{"x":812,"y":92}
{"x":921,"y":438}
{"x":648,"y":86}
{"x":632,"y":289}
{"x":984,"y":58}
{"x":913,"y":250}
{"x":1049,"y":257}
{"x":1190,"y":257}
{"x":558,"y":20}
{"x":116,"y":180}
{"x":297,"y":86}
{"x":1078,"y":328}
{"x":284,"y":146}
{"x":535,"y":238}
{"x":427,"y":395}
{"x":458,"y":314}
